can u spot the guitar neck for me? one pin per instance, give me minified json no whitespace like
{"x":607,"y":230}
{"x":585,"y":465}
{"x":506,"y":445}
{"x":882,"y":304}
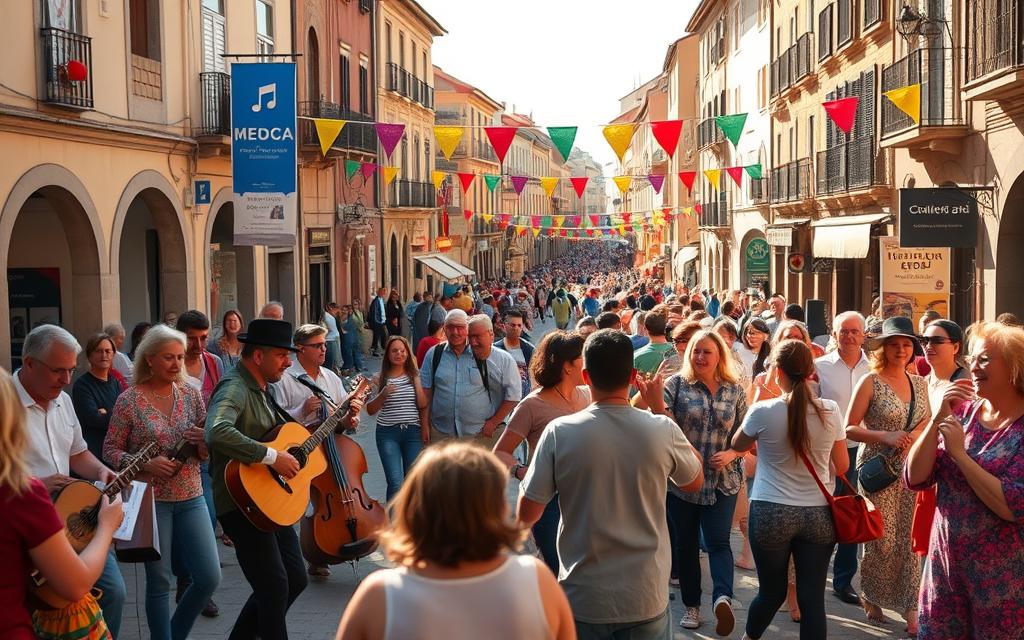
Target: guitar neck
{"x":129,"y":471}
{"x":331,"y":423}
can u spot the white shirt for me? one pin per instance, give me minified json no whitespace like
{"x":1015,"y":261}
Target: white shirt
{"x":291,"y":394}
{"x":54,"y":433}
{"x":123,"y":365}
{"x":747,"y":357}
{"x":838,"y":380}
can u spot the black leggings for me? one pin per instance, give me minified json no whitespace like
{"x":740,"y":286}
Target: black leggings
{"x":776,"y":532}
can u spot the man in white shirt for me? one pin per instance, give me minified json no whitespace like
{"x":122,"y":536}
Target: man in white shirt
{"x":55,"y":443}
{"x":122,"y":363}
{"x":838,"y":373}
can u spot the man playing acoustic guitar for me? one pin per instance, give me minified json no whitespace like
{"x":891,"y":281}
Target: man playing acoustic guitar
{"x":242,"y":412}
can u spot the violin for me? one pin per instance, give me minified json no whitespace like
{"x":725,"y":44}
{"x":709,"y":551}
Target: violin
{"x":345,"y":520}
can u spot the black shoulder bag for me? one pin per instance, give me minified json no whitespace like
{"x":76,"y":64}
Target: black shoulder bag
{"x":884,"y":468}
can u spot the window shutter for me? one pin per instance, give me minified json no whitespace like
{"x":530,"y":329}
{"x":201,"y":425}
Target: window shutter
{"x":213,"y":41}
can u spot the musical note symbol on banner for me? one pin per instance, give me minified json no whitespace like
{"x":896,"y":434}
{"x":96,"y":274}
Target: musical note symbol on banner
{"x":267,"y":89}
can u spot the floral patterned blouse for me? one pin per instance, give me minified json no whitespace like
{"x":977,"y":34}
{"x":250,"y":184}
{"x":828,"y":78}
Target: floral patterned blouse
{"x":708,"y":422}
{"x":136,"y":423}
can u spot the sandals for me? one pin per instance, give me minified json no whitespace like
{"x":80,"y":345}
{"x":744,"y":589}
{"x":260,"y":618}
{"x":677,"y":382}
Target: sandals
{"x":872,"y":611}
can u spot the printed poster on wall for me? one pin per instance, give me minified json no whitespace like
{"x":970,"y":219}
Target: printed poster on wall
{"x":913,"y":280}
{"x":263,"y":154}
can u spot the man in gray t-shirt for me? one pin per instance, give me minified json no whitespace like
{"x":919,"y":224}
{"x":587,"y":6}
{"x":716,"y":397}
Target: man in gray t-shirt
{"x":610,"y":465}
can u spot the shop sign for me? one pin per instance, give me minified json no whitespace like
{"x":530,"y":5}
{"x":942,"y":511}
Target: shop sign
{"x":757,"y":260}
{"x":796,"y":262}
{"x":780,"y":236}
{"x":419,"y":234}
{"x":202,"y":192}
{"x":913,"y":279}
{"x":938,"y":217}
{"x":319,"y":237}
{"x":371,"y":265}
{"x":443,"y":243}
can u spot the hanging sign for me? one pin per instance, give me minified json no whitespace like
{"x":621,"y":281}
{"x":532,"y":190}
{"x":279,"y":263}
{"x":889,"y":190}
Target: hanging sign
{"x":913,"y":280}
{"x":938,"y":217}
{"x":779,"y":236}
{"x":263,"y":154}
{"x":757,"y":261}
{"x":796,"y":262}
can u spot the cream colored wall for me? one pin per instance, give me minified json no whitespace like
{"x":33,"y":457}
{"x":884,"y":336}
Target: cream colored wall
{"x":395,"y":12}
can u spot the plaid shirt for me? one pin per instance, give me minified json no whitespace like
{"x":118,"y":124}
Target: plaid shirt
{"x":708,"y":424}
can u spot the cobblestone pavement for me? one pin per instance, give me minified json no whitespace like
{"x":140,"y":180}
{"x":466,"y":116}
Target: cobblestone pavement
{"x":315,"y":614}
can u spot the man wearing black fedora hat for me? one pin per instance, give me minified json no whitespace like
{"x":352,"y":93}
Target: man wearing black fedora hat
{"x":242,"y":411}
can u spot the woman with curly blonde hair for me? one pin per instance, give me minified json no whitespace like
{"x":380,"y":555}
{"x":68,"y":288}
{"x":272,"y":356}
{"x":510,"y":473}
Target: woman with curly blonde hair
{"x":457,"y":575}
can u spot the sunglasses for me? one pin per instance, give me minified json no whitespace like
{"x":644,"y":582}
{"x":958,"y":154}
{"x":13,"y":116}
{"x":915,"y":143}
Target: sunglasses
{"x":936,"y":340}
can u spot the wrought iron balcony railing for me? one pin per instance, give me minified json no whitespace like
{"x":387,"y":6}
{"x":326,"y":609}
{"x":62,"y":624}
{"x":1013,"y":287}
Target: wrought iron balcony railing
{"x":849,"y":166}
{"x":791,"y":182}
{"x":407,"y":193}
{"x":406,"y":84}
{"x":353,"y":137}
{"x":715,"y":213}
{"x":994,"y":30}
{"x":215,"y":93}
{"x":708,"y":133}
{"x":935,"y":70}
{"x":67,"y":57}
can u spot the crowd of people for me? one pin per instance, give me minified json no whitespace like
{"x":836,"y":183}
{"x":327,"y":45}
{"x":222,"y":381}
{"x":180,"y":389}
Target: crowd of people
{"x":642,"y":431}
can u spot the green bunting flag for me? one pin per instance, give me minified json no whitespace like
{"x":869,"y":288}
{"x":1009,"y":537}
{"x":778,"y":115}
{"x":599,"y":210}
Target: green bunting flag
{"x":732,"y":126}
{"x":563,"y":137}
{"x":754,"y":171}
{"x":492,"y":181}
{"x":351,"y":166}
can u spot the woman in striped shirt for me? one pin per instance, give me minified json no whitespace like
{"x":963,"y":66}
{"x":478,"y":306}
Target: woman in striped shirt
{"x":402,"y":405}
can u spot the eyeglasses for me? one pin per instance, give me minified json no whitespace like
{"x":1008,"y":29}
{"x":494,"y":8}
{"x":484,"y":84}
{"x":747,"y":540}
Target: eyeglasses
{"x":322,"y":346}
{"x":981,"y":360}
{"x":58,"y":371}
{"x":927,"y":340}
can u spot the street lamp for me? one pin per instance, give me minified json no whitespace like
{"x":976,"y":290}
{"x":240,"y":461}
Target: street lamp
{"x":913,"y":23}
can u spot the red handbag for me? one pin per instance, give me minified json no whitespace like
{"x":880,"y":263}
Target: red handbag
{"x":856,"y":518}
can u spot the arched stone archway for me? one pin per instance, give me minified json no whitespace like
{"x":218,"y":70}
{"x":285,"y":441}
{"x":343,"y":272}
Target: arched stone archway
{"x":230,"y":269}
{"x":754,"y":259}
{"x":1009,"y":257}
{"x":394,"y":271}
{"x":407,"y":271}
{"x":72,"y":264}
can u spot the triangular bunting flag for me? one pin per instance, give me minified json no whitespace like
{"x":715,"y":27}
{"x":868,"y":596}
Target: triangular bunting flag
{"x":548,"y":184}
{"x":579,"y":184}
{"x":623,"y":182}
{"x":467,"y":214}
{"x":754,"y":171}
{"x":536,"y":232}
{"x":466,"y":179}
{"x":656,"y":181}
{"x":908,"y":100}
{"x":518,"y":182}
{"x":545,"y":221}
{"x":563,"y":137}
{"x":327,"y":132}
{"x":688,"y":177}
{"x":843,"y":112}
{"x":713,"y":176}
{"x":559,"y":220}
{"x":351,"y":166}
{"x":367,"y":169}
{"x":487,"y":216}
{"x":736,"y":173}
{"x":534,"y":221}
{"x":389,"y":174}
{"x":563,"y":232}
{"x":697,"y":209}
{"x":389,"y":135}
{"x":492,"y":181}
{"x":595,"y":220}
{"x":626,"y":216}
{"x":501,"y":139}
{"x":666,"y":132}
{"x":732,"y":126}
{"x":448,"y":139}
{"x":575,"y":221}
{"x":522,"y":231}
{"x":618,"y":137}
{"x":438,"y":178}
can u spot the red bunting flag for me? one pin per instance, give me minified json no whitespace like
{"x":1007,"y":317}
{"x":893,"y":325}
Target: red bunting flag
{"x":595,"y":220}
{"x":696,"y":208}
{"x":466,"y":179}
{"x":668,"y":212}
{"x":367,"y":169}
{"x":575,"y":221}
{"x":535,"y":221}
{"x":501,"y":139}
{"x":625,"y":218}
{"x":563,"y":232}
{"x":467,"y":214}
{"x":590,"y":232}
{"x":843,"y":112}
{"x":666,"y":132}
{"x":579,"y":183}
{"x":522,"y":231}
{"x":688,"y":177}
{"x":736,"y":173}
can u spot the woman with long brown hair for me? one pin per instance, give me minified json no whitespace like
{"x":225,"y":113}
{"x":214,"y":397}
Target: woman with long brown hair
{"x":227,"y":347}
{"x":401,"y":402}
{"x":788,"y":513}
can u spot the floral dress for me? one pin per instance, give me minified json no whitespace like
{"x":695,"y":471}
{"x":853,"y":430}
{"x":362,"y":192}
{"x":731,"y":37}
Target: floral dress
{"x":890,"y":570}
{"x":973,"y":585}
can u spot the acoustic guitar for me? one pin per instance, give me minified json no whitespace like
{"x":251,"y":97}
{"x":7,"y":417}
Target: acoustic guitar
{"x":78,"y":505}
{"x":269,"y":500}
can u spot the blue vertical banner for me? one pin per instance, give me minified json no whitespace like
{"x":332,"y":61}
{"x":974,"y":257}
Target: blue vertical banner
{"x":263,"y":153}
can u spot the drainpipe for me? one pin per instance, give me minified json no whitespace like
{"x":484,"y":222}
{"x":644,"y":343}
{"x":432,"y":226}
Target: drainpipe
{"x":376,"y":174}
{"x":300,"y":254}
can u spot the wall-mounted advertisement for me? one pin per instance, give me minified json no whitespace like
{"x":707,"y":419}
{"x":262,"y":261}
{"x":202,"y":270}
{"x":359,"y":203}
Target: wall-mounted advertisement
{"x":913,"y":280}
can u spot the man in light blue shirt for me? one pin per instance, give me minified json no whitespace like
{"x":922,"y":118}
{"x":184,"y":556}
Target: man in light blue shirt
{"x":470,"y":390}
{"x":333,"y":338}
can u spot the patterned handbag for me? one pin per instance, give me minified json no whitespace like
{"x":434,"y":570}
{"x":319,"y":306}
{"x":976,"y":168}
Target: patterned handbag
{"x":81,"y":620}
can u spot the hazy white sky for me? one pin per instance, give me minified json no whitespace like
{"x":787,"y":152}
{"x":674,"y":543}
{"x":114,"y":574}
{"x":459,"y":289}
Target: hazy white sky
{"x":566,"y":61}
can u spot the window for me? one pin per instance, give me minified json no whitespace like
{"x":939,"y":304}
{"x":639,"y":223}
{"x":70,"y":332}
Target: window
{"x":312,"y":66}
{"x":810,"y":16}
{"x":264,"y":28}
{"x":217,"y":6}
{"x":414,"y":60}
{"x":144,"y":26}
{"x":426,"y":158}
{"x":62,"y":15}
{"x":417,"y":170}
{"x":364,"y":94}
{"x":810,"y":136}
{"x":425,"y":68}
{"x":401,"y":49}
{"x":346,"y":83}
{"x":387,"y":41}
{"x":214,"y":30}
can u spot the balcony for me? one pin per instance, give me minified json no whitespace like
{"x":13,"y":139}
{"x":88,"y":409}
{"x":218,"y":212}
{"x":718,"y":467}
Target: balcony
{"x":995,"y":50}
{"x":448,"y":118}
{"x":406,"y":193}
{"x":715,"y":214}
{"x":851,"y":166}
{"x":759,"y":191}
{"x":942,"y":119}
{"x":708,"y":133}
{"x":792,"y":65}
{"x":408,"y":85}
{"x":215,"y":93}
{"x":791,"y":182}
{"x":61,"y":49}
{"x":356,"y":137}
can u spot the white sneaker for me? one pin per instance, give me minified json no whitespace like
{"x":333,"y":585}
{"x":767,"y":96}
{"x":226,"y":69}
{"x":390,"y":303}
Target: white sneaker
{"x":724,"y":614}
{"x":691,"y":619}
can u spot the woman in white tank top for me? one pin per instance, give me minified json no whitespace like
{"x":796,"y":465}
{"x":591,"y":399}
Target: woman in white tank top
{"x":457,"y":575}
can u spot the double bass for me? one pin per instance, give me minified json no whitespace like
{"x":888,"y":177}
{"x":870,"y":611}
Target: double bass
{"x":345,"y":519}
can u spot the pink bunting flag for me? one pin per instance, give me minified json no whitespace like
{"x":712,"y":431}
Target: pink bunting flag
{"x":535,"y":221}
{"x":579,"y":183}
{"x":736,"y":173}
{"x":575,"y":221}
{"x":518,"y":182}
{"x":389,"y":135}
{"x":466,"y":179}
{"x":697,"y":208}
{"x":843,"y":112}
{"x":656,"y":181}
{"x":666,"y":132}
{"x":688,"y":177}
{"x":367,"y":169}
{"x":501,"y":139}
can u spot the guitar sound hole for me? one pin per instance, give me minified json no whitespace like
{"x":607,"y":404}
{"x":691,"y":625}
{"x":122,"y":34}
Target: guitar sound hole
{"x":299,"y":456}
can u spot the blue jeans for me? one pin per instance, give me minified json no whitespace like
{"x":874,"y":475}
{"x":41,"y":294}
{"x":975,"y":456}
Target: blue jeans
{"x":114,"y":593}
{"x":545,"y":534}
{"x":333,"y":357}
{"x":188,"y":522}
{"x":659,"y":628}
{"x":845,"y":565}
{"x":398,"y":446}
{"x":715,"y":522}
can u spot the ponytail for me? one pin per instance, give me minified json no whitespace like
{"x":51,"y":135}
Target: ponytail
{"x":794,"y":359}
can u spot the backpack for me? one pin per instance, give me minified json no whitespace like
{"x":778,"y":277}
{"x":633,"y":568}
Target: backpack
{"x":560,"y":307}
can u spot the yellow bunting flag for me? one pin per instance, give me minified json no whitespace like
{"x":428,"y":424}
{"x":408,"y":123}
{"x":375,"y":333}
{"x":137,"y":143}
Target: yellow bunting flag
{"x":619,"y":137}
{"x":623,"y":182}
{"x":438,"y":177}
{"x":713,"y":176}
{"x":487,"y":217}
{"x":549,"y":185}
{"x":622,"y":229}
{"x":558,"y":220}
{"x":327,"y":132}
{"x":908,"y":100}
{"x":389,"y":174}
{"x":536,"y":231}
{"x":447,"y":139}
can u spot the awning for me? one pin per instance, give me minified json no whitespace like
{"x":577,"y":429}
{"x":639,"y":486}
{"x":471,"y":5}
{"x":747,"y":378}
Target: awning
{"x":845,"y":236}
{"x":443,"y":266}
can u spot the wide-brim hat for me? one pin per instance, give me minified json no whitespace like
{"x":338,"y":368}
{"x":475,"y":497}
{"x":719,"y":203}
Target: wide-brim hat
{"x":269,"y":333}
{"x":896,"y":327}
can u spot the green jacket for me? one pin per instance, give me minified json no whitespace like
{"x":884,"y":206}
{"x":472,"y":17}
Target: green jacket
{"x":237,"y":418}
